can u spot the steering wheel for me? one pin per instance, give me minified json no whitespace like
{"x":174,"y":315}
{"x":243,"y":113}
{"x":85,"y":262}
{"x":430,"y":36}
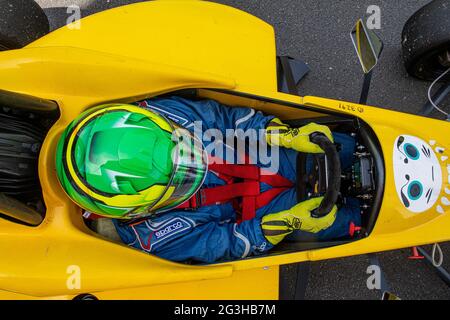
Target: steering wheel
{"x":329,"y":172}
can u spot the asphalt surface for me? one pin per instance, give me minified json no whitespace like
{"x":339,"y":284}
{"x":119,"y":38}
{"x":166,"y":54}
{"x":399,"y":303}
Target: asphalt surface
{"x":317,"y":32}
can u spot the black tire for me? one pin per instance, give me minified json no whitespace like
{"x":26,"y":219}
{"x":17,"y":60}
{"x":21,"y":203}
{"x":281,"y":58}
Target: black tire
{"x":426,"y":37}
{"x":85,"y":297}
{"x":21,"y":22}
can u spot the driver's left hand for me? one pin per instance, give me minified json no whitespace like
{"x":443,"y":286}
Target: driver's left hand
{"x":278,"y":133}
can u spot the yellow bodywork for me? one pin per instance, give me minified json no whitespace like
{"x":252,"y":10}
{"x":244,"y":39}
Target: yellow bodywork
{"x":143,"y":50}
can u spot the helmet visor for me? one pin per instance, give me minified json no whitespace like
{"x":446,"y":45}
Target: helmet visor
{"x":190,"y":165}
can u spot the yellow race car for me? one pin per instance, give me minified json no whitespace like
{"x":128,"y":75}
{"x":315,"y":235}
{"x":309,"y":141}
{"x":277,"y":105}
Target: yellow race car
{"x":205,"y":50}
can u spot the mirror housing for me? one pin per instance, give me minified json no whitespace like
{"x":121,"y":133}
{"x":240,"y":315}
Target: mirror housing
{"x":367,"y":44}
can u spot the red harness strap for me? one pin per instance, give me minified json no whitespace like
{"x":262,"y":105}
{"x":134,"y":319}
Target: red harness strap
{"x":242,"y":182}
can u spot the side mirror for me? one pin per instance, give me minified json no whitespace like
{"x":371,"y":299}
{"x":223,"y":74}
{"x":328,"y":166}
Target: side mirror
{"x":367,"y":44}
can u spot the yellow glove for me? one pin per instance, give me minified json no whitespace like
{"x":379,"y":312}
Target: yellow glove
{"x":280,"y":134}
{"x":276,"y":226}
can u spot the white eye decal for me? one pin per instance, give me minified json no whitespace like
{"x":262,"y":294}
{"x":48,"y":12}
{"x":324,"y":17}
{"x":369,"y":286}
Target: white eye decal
{"x":417,"y":173}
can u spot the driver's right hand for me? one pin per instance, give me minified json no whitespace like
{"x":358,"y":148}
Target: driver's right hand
{"x":276,"y":226}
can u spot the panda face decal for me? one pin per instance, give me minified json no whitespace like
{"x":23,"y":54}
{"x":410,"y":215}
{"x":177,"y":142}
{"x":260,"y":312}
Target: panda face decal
{"x":417,"y":173}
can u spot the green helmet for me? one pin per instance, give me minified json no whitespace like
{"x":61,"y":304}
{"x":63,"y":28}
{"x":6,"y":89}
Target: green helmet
{"x":124,"y":161}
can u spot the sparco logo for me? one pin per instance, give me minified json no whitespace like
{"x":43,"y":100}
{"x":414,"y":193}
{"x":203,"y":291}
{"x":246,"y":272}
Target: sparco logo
{"x":168,"y":229}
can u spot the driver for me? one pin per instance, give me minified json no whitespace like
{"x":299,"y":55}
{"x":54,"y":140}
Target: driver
{"x":176,"y":190}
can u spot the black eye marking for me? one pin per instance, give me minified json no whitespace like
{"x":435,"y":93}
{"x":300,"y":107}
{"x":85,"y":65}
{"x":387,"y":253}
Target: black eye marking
{"x":426,"y":151}
{"x":401,"y":139}
{"x":404,"y":198}
{"x":428,"y":195}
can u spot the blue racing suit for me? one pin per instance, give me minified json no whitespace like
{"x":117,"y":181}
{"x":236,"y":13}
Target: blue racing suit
{"x":211,"y":233}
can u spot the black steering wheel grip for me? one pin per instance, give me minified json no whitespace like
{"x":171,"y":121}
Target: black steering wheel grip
{"x":334,"y":174}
